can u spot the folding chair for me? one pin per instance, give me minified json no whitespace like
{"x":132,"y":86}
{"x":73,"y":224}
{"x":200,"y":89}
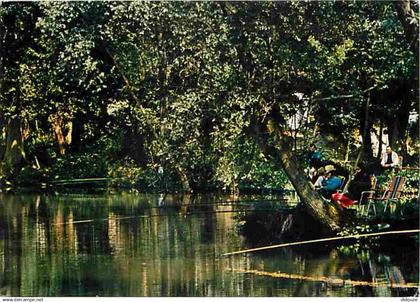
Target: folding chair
{"x":343,"y":183}
{"x":392,"y":194}
{"x":367,"y":195}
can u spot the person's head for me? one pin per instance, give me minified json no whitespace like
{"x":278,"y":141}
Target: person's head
{"x":388,"y":149}
{"x":312,"y":147}
{"x":329,"y":170}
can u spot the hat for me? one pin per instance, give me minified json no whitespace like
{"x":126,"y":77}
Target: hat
{"x":329,"y":168}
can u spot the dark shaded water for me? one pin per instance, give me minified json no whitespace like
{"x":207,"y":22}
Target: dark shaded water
{"x":144,"y":245}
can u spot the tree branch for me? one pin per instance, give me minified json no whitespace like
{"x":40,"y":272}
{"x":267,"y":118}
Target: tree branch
{"x":346,"y":96}
{"x":410,"y":22}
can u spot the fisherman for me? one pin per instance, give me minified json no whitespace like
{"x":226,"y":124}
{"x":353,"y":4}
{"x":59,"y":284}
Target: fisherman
{"x":321,"y":176}
{"x":314,"y":157}
{"x":331,"y":182}
{"x":389,"y":159}
{"x":314,"y":162}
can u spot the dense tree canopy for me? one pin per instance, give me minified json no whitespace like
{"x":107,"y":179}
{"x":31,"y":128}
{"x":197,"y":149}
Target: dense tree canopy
{"x":199,"y":90}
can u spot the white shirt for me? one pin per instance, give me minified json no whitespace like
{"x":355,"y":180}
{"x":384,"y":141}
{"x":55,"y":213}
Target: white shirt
{"x":394,"y":157}
{"x":318,"y":183}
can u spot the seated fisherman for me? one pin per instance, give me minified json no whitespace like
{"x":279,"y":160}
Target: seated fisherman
{"x":389,"y":159}
{"x":314,"y":162}
{"x":320,"y":176}
{"x":331,"y":182}
{"x":314,"y":157}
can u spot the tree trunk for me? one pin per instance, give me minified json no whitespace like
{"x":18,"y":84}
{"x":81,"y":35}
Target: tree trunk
{"x":185,"y":184}
{"x":366,"y":126}
{"x":2,"y":137}
{"x":381,"y":131}
{"x":367,"y":144}
{"x":397,"y":126}
{"x":404,"y":94}
{"x":392,"y":132}
{"x":136,"y":148}
{"x":63,"y":131}
{"x":68,"y":137}
{"x":279,"y":149}
{"x":407,"y":15}
{"x":61,"y":142}
{"x":14,"y":153}
{"x":77,"y":131}
{"x":346,"y":157}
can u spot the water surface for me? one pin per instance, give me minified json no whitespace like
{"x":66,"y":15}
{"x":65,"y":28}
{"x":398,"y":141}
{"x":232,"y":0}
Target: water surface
{"x":169,"y":245}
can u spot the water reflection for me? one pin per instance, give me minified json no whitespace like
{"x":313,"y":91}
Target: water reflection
{"x":167,"y":245}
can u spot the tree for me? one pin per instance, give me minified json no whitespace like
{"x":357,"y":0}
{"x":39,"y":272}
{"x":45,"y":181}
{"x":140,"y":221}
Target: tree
{"x":17,"y":34}
{"x":199,"y":88}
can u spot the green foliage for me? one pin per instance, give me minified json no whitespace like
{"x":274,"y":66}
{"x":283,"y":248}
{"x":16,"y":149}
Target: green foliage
{"x":85,"y":165}
{"x":411,"y":208}
{"x":407,"y":205}
{"x":411,"y":185}
{"x":96,"y":160}
{"x":362,"y":245}
{"x":179,"y":86}
{"x":412,"y":179}
{"x":26,"y":177}
{"x":245,"y":166}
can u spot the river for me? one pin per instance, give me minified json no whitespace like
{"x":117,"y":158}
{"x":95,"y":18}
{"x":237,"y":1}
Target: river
{"x":169,"y":245}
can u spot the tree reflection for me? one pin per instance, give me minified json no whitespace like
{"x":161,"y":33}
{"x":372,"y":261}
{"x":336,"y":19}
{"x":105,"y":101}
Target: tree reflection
{"x":151,"y":245}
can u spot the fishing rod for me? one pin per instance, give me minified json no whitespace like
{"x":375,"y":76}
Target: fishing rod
{"x":218,"y":203}
{"x":320,"y":240}
{"x":160,"y":215}
{"x":85,"y":180}
{"x":241,"y":200}
{"x":205,"y":204}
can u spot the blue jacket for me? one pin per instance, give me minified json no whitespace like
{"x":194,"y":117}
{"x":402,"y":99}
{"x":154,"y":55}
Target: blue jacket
{"x":314,"y":156}
{"x":331,"y":184}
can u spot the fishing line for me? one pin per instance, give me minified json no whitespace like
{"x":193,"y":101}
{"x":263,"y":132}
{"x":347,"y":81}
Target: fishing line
{"x":320,"y":240}
{"x":168,"y":215}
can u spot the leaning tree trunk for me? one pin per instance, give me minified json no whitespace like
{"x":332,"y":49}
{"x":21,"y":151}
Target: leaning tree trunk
{"x":279,"y":149}
{"x":310,"y":198}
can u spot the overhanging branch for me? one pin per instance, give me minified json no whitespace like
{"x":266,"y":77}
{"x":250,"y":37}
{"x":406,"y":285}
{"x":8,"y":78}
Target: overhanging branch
{"x":346,"y":96}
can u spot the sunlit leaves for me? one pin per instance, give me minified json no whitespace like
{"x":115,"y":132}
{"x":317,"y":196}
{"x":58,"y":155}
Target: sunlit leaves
{"x":191,"y":78}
